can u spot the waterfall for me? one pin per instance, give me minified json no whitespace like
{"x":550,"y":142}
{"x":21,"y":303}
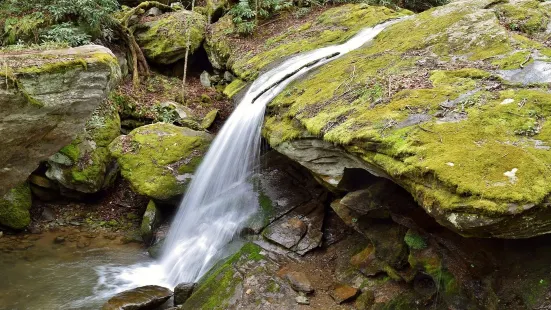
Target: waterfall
{"x":220,"y":199}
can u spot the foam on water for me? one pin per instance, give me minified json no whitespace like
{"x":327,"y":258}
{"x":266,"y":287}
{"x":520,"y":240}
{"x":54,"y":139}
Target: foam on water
{"x":220,"y":199}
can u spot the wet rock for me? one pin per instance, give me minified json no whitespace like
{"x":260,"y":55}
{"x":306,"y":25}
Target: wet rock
{"x":59,"y":239}
{"x":164,"y":40}
{"x":182,"y":292}
{"x":299,"y":282}
{"x":73,"y":80}
{"x":342,"y":293}
{"x":150,"y":221}
{"x":83,"y":243}
{"x":144,"y":297}
{"x":159,"y":159}
{"x":205,"y":79}
{"x":226,"y":284}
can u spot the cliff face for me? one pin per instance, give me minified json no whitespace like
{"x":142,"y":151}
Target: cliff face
{"x":45,"y":99}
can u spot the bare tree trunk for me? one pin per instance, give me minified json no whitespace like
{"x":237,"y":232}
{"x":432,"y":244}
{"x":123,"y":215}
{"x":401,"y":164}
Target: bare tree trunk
{"x":188,"y":35}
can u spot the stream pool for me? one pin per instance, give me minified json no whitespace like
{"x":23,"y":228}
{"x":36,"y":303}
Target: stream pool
{"x":40,"y":272}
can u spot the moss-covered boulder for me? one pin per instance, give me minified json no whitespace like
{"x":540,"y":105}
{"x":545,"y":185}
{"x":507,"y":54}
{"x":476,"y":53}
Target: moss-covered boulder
{"x":429,"y":105}
{"x":159,"y":159}
{"x":14,"y":207}
{"x":249,"y":270}
{"x":164,"y":39}
{"x":86,"y":165}
{"x":217,"y":43}
{"x":46,"y":98}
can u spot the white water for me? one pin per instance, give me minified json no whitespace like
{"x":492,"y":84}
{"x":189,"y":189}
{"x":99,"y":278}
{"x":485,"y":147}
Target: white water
{"x":220,"y":199}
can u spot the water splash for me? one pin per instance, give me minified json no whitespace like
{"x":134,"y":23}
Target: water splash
{"x":220,"y":200}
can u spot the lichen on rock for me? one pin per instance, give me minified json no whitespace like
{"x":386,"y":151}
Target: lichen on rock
{"x":159,"y":159}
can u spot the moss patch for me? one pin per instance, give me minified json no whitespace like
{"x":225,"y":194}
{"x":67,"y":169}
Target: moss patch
{"x":14,"y":207}
{"x":158,"y":159}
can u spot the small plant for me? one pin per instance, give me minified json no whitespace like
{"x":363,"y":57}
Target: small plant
{"x":67,"y":33}
{"x":247,"y":12}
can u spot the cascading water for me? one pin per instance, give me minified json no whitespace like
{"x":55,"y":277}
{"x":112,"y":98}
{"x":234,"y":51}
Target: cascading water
{"x":220,"y":199}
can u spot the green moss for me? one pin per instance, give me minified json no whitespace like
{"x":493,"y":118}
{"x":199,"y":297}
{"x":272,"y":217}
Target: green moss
{"x":217,"y":287}
{"x":150,"y":220}
{"x":334,"y":26}
{"x":526,"y":16}
{"x":513,"y":61}
{"x":415,"y":241}
{"x":234,"y":87}
{"x":56,"y":67}
{"x":14,"y":207}
{"x":71,"y":151}
{"x":152,"y":158}
{"x":166,"y":38}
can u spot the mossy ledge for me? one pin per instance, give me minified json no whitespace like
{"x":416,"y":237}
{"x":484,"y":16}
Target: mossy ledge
{"x":469,"y":146}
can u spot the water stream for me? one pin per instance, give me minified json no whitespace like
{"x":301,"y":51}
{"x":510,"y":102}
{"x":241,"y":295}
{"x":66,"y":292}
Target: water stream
{"x":220,"y":199}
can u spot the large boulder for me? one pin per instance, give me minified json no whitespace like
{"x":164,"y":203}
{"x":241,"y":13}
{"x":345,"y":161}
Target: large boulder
{"x":164,"y":39}
{"x":245,"y":280}
{"x":14,"y":207}
{"x":430,"y":104}
{"x":86,"y":165}
{"x":140,"y":298}
{"x":159,"y":159}
{"x":46,"y":97}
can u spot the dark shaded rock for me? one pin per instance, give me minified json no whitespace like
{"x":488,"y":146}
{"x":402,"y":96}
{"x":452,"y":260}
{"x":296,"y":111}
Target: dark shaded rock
{"x":145,"y":297}
{"x":150,"y":221}
{"x":182,"y":292}
{"x":286,"y":232}
{"x":342,"y":293}
{"x":365,"y":300}
{"x":299,"y":282}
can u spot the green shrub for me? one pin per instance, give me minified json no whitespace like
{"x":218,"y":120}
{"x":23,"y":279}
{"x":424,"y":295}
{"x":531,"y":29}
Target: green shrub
{"x":74,"y":22}
{"x":246,"y":13}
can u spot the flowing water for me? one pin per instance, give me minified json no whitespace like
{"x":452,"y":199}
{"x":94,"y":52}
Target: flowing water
{"x":220,"y":199}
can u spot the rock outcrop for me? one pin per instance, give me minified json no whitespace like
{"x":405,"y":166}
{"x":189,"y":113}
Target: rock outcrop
{"x":430,"y":105}
{"x":86,"y":165}
{"x":45,"y":99}
{"x":159,"y":159}
{"x":164,"y":39}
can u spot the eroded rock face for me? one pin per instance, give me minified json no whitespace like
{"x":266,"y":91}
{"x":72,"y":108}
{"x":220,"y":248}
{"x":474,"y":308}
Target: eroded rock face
{"x":427,"y":110}
{"x":141,"y":298}
{"x":86,"y":165}
{"x":45,"y":100}
{"x":159,"y":159}
{"x":164,"y":39}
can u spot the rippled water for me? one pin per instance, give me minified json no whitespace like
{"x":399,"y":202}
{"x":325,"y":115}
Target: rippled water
{"x":39,"y":274}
